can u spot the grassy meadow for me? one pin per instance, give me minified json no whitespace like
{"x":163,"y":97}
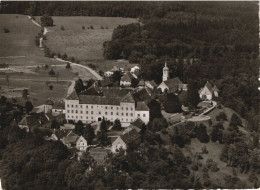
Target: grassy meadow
{"x":83,"y":44}
{"x":18,"y":46}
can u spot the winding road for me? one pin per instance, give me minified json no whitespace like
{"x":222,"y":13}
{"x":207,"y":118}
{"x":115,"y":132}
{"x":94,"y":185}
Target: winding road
{"x":71,"y":87}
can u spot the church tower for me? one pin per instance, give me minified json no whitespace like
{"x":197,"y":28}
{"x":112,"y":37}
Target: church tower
{"x":165,"y":73}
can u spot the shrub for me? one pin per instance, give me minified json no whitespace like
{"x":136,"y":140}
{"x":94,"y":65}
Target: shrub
{"x":46,"y":21}
{"x":6,"y":30}
{"x":202,"y":134}
{"x":91,"y":27}
{"x":51,"y":72}
{"x":194,"y":167}
{"x":68,"y":66}
{"x":221,"y":116}
{"x":62,"y":27}
{"x":235,"y":121}
{"x":101,"y":27}
{"x":83,"y":27}
{"x":204,"y":150}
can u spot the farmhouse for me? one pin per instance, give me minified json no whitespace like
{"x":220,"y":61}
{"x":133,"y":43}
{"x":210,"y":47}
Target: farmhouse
{"x":58,"y":108}
{"x":208,"y":92}
{"x":73,"y":140}
{"x":122,"y":141}
{"x":112,"y":104}
{"x":35,"y":120}
{"x":126,"y":79}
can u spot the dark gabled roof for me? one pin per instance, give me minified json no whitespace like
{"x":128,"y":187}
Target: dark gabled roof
{"x":127,"y":77}
{"x":99,"y":100}
{"x":35,"y":119}
{"x":73,"y":96}
{"x":153,"y":83}
{"x":138,"y":123}
{"x":113,"y":139}
{"x":49,"y":102}
{"x":130,"y":137}
{"x":61,"y":133}
{"x":132,"y":127}
{"x":209,"y":86}
{"x":142,"y":95}
{"x":115,"y":92}
{"x":141,"y":83}
{"x":105,"y":83}
{"x":128,"y":98}
{"x":141,"y":106}
{"x":70,"y":138}
{"x":59,"y":105}
{"x":99,"y":155}
{"x":215,"y":88}
{"x":173,"y":84}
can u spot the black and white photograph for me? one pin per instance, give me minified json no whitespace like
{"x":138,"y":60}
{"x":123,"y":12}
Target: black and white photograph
{"x":129,"y":95}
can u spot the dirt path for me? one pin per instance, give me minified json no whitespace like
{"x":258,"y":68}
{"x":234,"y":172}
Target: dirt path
{"x":98,"y":77}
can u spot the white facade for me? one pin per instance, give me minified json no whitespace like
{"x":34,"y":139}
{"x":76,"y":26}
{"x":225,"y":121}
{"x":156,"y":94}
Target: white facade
{"x":163,"y":87}
{"x":125,"y":83}
{"x":117,"y":144}
{"x":88,"y":113}
{"x":205,"y":94}
{"x":81,"y":144}
{"x":165,"y":73}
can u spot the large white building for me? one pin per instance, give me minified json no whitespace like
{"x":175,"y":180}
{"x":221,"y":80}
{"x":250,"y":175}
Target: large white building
{"x":112,"y":105}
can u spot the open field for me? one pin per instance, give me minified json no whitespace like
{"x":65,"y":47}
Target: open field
{"x":38,"y":90}
{"x":18,"y":47}
{"x":106,"y":65}
{"x":82,"y":44}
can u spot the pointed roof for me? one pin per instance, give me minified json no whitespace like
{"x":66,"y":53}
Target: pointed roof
{"x":138,"y":123}
{"x":209,"y":86}
{"x":215,"y":88}
{"x":165,"y":66}
{"x":127,"y":77}
{"x":128,"y":98}
{"x":141,"y":106}
{"x":131,"y":136}
{"x":152,"y":83}
{"x":49,"y":102}
{"x":59,"y":105}
{"x":173,"y":84}
{"x":73,"y":96}
{"x":35,"y":119}
{"x":141,"y":83}
{"x":70,"y":138}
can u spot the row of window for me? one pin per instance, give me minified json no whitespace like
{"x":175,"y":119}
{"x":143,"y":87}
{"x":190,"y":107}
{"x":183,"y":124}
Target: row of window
{"x":72,"y":117}
{"x":106,"y":107}
{"x":106,"y":113}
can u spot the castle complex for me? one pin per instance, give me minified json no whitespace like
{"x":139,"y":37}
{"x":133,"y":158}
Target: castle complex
{"x":114,"y":103}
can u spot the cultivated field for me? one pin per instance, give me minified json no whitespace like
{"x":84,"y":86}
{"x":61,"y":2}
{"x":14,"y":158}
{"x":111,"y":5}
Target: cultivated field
{"x":18,"y":47}
{"x":82,"y":44}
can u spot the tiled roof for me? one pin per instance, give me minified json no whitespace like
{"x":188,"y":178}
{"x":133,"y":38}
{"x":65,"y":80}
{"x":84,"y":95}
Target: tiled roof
{"x":209,"y":86}
{"x":127,"y":77}
{"x":138,"y":123}
{"x":61,"y":133}
{"x":130,"y":128}
{"x":59,"y":105}
{"x":141,"y":83}
{"x":36,"y":119}
{"x":99,"y":155}
{"x":215,"y":88}
{"x":142,"y":95}
{"x":152,"y":82}
{"x":99,"y":100}
{"x":130,"y":137}
{"x":128,"y":98}
{"x":173,"y":84}
{"x":115,"y":91}
{"x":141,"y":106}
{"x":105,"y":82}
{"x":49,"y":102}
{"x":70,"y":138}
{"x":73,"y":96}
